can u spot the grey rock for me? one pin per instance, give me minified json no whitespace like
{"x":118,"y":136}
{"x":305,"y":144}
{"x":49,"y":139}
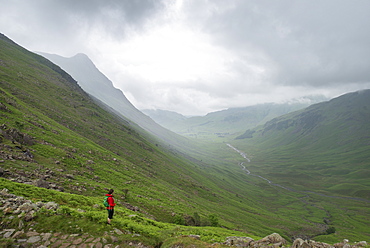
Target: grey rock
{"x":70,"y":176}
{"x":8,"y":233}
{"x":46,"y":236}
{"x":34,"y":239}
{"x":17,"y":234}
{"x":238,"y":241}
{"x":30,"y":216}
{"x":42,"y":184}
{"x":362,"y":243}
{"x":117,"y":231}
{"x":51,"y":205}
{"x":26,"y":207}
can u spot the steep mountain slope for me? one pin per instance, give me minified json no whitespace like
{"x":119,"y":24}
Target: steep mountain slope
{"x":225,"y":123}
{"x":321,"y":152}
{"x":50,"y":123}
{"x":328,"y":142}
{"x":91,"y":80}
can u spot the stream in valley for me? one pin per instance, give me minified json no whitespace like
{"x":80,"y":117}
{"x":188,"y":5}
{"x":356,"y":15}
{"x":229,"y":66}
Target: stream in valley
{"x":244,"y":168}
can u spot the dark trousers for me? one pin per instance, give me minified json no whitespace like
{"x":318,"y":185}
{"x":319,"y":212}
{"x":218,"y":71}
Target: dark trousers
{"x":110,"y":213}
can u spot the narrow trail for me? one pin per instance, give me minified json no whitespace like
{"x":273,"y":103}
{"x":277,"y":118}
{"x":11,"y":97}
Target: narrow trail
{"x":241,"y":164}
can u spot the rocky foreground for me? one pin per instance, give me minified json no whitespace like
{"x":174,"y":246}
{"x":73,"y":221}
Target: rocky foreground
{"x":25,"y":210}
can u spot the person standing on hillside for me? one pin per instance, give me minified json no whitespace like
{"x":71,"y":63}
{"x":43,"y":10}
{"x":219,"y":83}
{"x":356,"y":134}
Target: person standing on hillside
{"x":111,"y":204}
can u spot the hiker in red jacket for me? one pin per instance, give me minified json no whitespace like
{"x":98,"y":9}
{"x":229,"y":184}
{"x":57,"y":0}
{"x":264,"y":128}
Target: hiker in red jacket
{"x":111,"y":205}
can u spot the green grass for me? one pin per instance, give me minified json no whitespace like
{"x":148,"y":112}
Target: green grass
{"x":327,"y":161}
{"x":70,"y":219}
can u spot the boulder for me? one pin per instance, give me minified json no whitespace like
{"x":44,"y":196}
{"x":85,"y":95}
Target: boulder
{"x":8,"y":210}
{"x":8,"y":232}
{"x":238,"y":241}
{"x":194,"y":236}
{"x":33,"y":239}
{"x":42,"y":184}
{"x":70,"y":176}
{"x":27,"y":207}
{"x":51,"y":205}
{"x":30,"y":216}
{"x":300,"y":243}
{"x":274,"y":239}
{"x":362,"y":244}
{"x":4,"y":191}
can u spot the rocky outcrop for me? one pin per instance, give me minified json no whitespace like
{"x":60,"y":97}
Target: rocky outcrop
{"x":17,"y":137}
{"x":274,"y":240}
{"x":300,"y":243}
{"x":23,"y":208}
{"x":32,"y":238}
{"x":239,"y":241}
{"x":36,"y":178}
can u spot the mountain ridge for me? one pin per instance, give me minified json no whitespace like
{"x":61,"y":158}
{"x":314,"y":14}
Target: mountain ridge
{"x":99,"y":86}
{"x":224,"y":123}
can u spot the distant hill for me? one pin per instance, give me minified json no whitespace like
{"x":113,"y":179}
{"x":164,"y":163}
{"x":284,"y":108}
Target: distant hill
{"x":165,"y":118}
{"x":346,"y":118}
{"x":226,"y":123}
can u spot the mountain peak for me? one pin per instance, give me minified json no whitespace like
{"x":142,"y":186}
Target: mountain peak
{"x":81,"y":56}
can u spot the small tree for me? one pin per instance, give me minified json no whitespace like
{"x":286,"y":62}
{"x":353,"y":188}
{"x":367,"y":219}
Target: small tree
{"x":125,"y":192}
{"x":213,"y":219}
{"x":196,"y":219}
{"x":179,"y":219}
{"x":189,"y":220}
{"x":330,"y":230}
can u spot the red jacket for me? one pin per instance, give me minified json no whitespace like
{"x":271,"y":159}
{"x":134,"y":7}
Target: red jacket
{"x":110,"y":201}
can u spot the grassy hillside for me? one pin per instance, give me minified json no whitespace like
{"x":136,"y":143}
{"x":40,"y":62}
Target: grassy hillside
{"x":82,"y":216}
{"x":329,"y":142}
{"x":55,"y":136}
{"x":321,"y":151}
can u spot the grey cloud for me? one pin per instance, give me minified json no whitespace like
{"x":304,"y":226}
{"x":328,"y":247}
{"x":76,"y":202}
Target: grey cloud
{"x":113,"y":15}
{"x":67,"y":22}
{"x":270,"y":49}
{"x":307,"y":42}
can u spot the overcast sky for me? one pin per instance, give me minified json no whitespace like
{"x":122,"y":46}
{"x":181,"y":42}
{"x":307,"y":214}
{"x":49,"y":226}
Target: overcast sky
{"x":199,"y":56}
